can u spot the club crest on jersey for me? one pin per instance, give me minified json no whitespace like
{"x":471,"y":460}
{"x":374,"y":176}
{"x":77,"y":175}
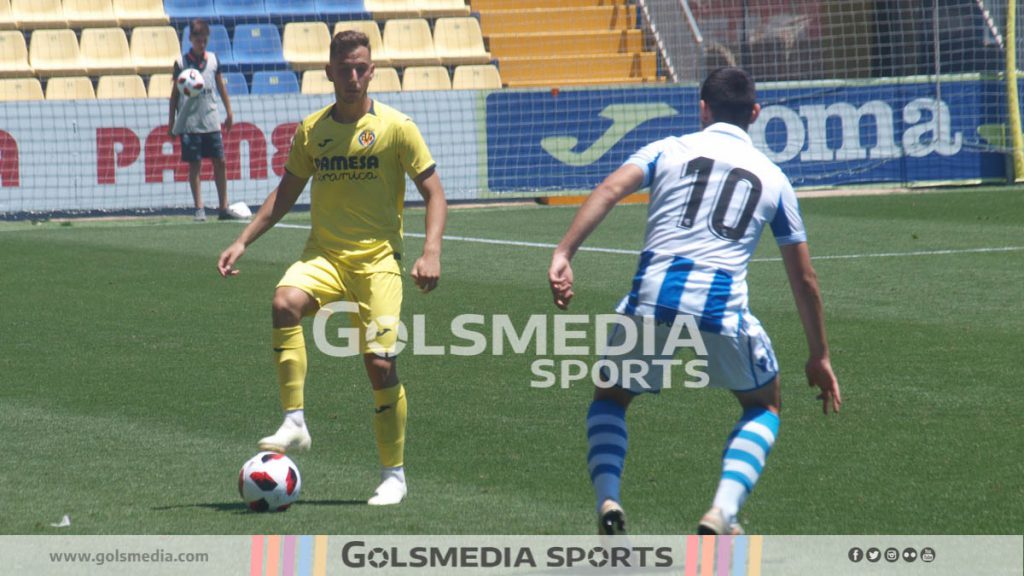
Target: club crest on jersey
{"x":367,"y":138}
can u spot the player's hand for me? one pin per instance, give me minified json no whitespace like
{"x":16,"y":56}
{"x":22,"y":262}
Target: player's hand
{"x":226,"y":263}
{"x":228,"y":123}
{"x":560,"y":279}
{"x":170,"y":132}
{"x":426,"y":272}
{"x":819,"y":373}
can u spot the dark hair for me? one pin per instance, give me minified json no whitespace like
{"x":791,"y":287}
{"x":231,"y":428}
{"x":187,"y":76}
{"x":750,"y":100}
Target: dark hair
{"x":347,"y":41}
{"x":730,"y":94}
{"x":199,"y":26}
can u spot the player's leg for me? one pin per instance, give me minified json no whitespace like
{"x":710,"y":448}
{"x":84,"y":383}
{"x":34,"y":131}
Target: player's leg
{"x":191,"y":149}
{"x":213,"y":148}
{"x":754,"y":377}
{"x":608,"y":442}
{"x":304,"y":286}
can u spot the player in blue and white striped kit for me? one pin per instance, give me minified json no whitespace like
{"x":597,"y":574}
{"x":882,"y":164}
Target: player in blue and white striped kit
{"x":712,"y":193}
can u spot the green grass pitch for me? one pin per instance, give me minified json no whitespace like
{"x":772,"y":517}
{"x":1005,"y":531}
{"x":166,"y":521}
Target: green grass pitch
{"x":134,"y":383}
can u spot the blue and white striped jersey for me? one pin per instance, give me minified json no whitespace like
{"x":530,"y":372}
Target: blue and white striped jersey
{"x":712,"y":193}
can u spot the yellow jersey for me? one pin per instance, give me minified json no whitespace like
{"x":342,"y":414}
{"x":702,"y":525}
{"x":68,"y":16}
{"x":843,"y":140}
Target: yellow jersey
{"x":358,"y":191}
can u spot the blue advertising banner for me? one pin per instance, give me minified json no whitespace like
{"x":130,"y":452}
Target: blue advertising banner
{"x":820,"y":135}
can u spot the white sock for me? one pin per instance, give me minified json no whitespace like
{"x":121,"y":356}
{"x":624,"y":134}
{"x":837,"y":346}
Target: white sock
{"x":396,"y":472}
{"x":296,"y":417}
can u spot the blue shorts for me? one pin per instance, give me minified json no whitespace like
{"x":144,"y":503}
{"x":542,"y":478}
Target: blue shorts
{"x":197,"y":146}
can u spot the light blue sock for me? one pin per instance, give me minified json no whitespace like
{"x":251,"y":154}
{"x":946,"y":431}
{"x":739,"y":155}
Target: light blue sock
{"x":606,"y":434}
{"x":743,"y":459}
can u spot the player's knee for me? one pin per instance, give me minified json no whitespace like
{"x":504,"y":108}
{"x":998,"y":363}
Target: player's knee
{"x":381,"y":370}
{"x":286,"y":309}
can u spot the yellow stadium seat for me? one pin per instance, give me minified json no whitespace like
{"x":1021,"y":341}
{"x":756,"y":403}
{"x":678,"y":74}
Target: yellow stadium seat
{"x":316,"y":82}
{"x":479,"y":77}
{"x":154,"y":49}
{"x":20,"y":89}
{"x":459,"y":41}
{"x":307,"y":45}
{"x":440,"y":8}
{"x":7,"y":21}
{"x":55,"y":53}
{"x":70,"y":88}
{"x":385,"y":80}
{"x":89,"y":13}
{"x":106,"y":51}
{"x":115,"y":87}
{"x":372,"y":31}
{"x":409,"y":43}
{"x":426,"y":78}
{"x":387,"y":9}
{"x":32,"y":14}
{"x":160,"y":86}
{"x":140,"y":12}
{"x":13,"y":54}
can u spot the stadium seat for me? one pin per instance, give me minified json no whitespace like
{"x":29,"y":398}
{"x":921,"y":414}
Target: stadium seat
{"x":106,"y":51}
{"x":70,"y":88}
{"x":235,"y":84}
{"x":388,"y":9}
{"x":479,"y":77}
{"x":275,"y":83}
{"x":409,"y":43}
{"x":119,"y":87}
{"x":88,"y":14}
{"x":241,"y":10}
{"x":385,"y":80}
{"x":300,"y":9}
{"x":341,"y":9}
{"x":442,"y":8}
{"x":306,"y":45}
{"x":140,"y":13}
{"x":258,"y":45}
{"x":426,"y":78}
{"x":219,"y":44}
{"x":33,"y":14}
{"x":7,"y":21}
{"x":459,"y":41}
{"x":55,"y":53}
{"x":185,"y":10}
{"x":316,"y":82}
{"x":372,"y":31}
{"x":13,"y":54}
{"x":20,"y":89}
{"x":154,"y":49}
{"x":160,"y":86}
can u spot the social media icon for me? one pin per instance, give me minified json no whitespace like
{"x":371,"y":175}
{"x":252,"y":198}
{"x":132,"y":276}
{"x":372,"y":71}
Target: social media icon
{"x":892,"y":554}
{"x":909,"y":554}
{"x":927,"y":555}
{"x":856,"y":555}
{"x":874,"y":554}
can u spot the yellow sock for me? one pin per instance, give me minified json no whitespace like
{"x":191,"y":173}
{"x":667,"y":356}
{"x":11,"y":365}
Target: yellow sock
{"x":290,"y":359}
{"x":389,"y":424}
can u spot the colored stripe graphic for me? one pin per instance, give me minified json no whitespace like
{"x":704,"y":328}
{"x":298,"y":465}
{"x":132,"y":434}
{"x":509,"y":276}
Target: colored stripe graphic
{"x":273,"y":565}
{"x":692,"y":545}
{"x":320,"y":556}
{"x":739,"y":555}
{"x":754,"y":558}
{"x":305,"y":556}
{"x":256,"y":557}
{"x":707,"y":556}
{"x":724,"y":547}
{"x":288,"y":558}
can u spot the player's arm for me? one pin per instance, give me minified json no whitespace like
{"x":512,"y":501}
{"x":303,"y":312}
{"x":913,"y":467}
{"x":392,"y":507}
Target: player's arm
{"x":427,"y":269}
{"x":277,"y":204}
{"x":222,"y":89}
{"x":172,"y":112}
{"x":804,"y":282}
{"x":619,"y":184}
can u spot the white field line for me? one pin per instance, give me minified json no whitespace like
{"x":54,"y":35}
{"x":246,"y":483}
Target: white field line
{"x":637,"y":252}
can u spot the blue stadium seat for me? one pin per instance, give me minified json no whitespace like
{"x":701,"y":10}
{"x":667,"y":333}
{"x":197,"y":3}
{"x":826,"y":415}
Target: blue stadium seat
{"x":333,"y":10}
{"x":241,"y":10}
{"x":258,"y":46}
{"x":300,"y":8}
{"x":184,"y":10}
{"x":219,"y":44}
{"x":236,"y":84}
{"x":284,"y":82}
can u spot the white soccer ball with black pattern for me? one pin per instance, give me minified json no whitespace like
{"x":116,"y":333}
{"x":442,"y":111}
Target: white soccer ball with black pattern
{"x":190,"y":82}
{"x":269,"y":482}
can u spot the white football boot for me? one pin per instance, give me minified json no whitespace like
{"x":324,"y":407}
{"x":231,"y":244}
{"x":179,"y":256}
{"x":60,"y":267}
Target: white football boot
{"x":290,"y":437}
{"x":714,"y":522}
{"x":392,"y":488}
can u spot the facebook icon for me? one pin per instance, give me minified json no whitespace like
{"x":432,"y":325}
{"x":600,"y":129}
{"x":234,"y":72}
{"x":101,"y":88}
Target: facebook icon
{"x":856,"y":554}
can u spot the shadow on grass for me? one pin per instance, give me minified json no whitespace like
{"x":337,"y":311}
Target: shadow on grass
{"x":240,"y":507}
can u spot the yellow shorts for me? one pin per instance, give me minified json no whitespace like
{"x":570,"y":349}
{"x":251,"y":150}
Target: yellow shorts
{"x":377,"y":294}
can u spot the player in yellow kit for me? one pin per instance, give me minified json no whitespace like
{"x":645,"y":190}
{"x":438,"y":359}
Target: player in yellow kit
{"x":358,"y":152}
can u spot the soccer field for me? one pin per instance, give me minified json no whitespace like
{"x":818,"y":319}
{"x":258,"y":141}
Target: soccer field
{"x":134,"y":382}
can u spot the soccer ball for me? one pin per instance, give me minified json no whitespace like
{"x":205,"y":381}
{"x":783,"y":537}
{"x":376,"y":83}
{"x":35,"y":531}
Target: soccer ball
{"x":269,"y":482}
{"x":190,"y":82}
